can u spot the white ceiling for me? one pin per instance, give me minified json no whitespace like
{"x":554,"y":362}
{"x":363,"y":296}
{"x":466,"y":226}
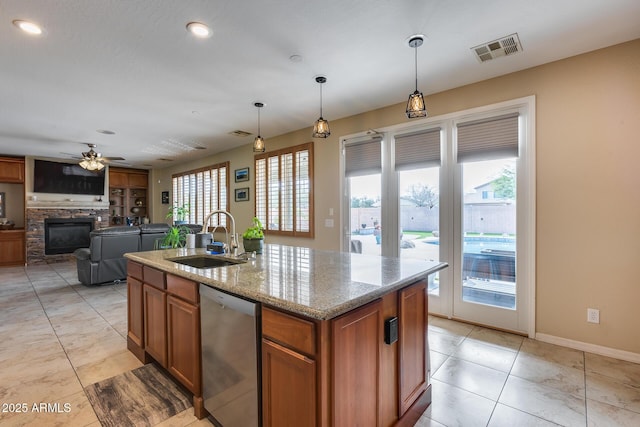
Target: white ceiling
{"x":131,"y":66}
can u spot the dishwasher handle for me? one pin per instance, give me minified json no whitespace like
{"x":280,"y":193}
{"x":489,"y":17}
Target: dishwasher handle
{"x":226,"y":300}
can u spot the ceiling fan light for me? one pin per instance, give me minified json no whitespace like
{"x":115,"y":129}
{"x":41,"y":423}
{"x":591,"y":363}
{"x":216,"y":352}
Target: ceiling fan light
{"x":321,"y":128}
{"x":415,"y":106}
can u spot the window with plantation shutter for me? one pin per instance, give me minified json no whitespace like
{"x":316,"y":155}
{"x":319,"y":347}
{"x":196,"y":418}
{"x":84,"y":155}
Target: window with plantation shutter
{"x":417,"y":150}
{"x":363,"y":157}
{"x":205,"y":190}
{"x":488,"y":139}
{"x":284,"y":190}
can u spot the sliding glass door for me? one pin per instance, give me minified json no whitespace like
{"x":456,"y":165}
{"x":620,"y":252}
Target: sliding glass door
{"x":460,"y":189}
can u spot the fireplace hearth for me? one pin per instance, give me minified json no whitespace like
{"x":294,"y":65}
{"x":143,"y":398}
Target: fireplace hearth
{"x":65,"y":235}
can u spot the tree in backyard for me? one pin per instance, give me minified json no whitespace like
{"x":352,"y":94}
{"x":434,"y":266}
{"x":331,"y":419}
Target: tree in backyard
{"x":362,"y":202}
{"x":504,"y":187}
{"x":422,"y":196}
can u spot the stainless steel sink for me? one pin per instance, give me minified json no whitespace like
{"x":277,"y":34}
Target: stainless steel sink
{"x":206,"y":261}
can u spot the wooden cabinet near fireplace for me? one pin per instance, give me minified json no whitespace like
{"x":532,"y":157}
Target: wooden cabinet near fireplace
{"x":128,"y":190}
{"x":12,"y":204}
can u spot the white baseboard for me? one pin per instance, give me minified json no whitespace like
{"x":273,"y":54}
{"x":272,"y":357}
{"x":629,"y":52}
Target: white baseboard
{"x":591,"y":348}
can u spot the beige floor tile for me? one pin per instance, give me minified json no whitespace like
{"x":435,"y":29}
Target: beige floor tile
{"x":504,"y":416}
{"x":425,"y":421}
{"x":611,"y":391}
{"x":451,"y":327}
{"x":454,"y":407}
{"x":624,"y":372}
{"x":500,"y":339}
{"x":91,"y":352}
{"x":553,"y":353}
{"x":549,"y":373}
{"x":111,"y":366}
{"x":32,"y":366}
{"x":486,"y":355}
{"x":47,"y":388}
{"x":603,"y":415}
{"x":545,"y":402}
{"x":471,"y":377}
{"x":436,"y":359}
{"x":444,"y":343}
{"x":184,"y":418}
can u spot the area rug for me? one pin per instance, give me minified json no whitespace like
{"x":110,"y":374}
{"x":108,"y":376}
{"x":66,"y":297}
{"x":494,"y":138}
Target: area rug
{"x":142,"y":397}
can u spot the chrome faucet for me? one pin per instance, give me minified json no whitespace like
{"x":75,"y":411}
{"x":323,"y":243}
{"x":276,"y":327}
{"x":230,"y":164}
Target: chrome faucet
{"x":232,"y":243}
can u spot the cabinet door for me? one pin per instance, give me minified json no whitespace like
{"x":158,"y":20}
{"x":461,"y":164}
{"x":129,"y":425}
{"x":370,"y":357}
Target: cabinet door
{"x":288,"y":387}
{"x":412,"y":341}
{"x":12,"y":170}
{"x":12,"y":248}
{"x":135,"y":311}
{"x":355,"y":360}
{"x":183,"y":342}
{"x":118,"y":179}
{"x":155,"y":323}
{"x":138,"y":180}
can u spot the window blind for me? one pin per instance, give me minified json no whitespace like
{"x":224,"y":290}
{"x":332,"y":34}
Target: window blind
{"x":205,"y":190}
{"x":363,"y":157}
{"x":488,"y":139}
{"x":418,"y":149}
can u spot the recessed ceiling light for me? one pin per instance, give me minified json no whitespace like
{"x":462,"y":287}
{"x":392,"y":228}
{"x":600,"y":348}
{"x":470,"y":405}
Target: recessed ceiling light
{"x":106,"y":132}
{"x":199,"y":29}
{"x":28,"y":27}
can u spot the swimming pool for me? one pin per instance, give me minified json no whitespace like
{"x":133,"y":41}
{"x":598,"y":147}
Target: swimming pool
{"x":480,"y":244}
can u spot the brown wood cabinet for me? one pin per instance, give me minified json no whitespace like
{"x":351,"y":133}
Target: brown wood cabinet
{"x":155,"y":323}
{"x":128,"y":195}
{"x":12,"y":248}
{"x":341,"y":371}
{"x":12,"y":170}
{"x":164,"y":325}
{"x":413,"y":346}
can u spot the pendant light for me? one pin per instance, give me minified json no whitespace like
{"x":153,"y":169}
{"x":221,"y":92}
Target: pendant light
{"x":321,"y":127}
{"x":415,"y":105}
{"x":258,"y":143}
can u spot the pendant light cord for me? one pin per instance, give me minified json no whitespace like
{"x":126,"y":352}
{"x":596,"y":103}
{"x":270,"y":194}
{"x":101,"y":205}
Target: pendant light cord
{"x":320,"y":99}
{"x":416,"y":62}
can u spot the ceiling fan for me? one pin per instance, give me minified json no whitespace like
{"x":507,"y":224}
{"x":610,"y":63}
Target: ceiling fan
{"x":93,"y":161}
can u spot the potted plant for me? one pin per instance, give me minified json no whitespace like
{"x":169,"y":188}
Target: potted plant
{"x":179,"y":213}
{"x":176,"y":237}
{"x":253,"y":237}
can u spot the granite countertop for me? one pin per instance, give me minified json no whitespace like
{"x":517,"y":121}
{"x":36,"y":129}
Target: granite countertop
{"x":314,"y":283}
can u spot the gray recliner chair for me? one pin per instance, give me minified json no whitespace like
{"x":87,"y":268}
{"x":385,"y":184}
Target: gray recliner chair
{"x":149,"y":233}
{"x":104,"y":260}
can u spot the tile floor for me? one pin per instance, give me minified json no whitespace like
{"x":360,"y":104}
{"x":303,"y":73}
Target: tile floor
{"x":57,"y":336}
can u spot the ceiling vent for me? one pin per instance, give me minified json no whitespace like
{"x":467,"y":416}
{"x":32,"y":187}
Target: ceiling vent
{"x":502,"y":47}
{"x":240,"y":133}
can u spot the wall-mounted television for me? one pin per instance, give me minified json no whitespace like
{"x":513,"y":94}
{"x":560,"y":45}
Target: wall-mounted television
{"x":66,"y":178}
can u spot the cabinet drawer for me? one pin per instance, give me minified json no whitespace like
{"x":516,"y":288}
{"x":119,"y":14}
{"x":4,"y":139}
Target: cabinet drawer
{"x":183,"y":288}
{"x":134,"y":270}
{"x":153,"y":277}
{"x":292,"y":331}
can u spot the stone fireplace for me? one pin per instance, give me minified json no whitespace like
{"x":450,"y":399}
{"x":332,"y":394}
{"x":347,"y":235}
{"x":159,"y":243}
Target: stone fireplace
{"x":80,"y":213}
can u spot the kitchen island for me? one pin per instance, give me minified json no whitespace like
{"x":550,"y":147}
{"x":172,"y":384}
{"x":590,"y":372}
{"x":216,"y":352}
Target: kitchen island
{"x":343,"y":336}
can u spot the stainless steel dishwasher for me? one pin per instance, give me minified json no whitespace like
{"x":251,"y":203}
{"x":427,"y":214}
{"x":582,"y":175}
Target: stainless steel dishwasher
{"x":230,"y":357}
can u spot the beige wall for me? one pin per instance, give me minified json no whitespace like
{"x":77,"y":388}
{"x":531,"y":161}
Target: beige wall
{"x":588,"y":178}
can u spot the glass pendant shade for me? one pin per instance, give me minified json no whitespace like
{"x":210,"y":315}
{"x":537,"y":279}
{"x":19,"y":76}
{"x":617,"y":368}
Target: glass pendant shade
{"x":415,"y":106}
{"x":321,"y":126}
{"x":258,"y":144}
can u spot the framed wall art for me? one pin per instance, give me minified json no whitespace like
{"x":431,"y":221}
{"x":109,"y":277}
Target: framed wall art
{"x":242,"y":174}
{"x":242,"y":194}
